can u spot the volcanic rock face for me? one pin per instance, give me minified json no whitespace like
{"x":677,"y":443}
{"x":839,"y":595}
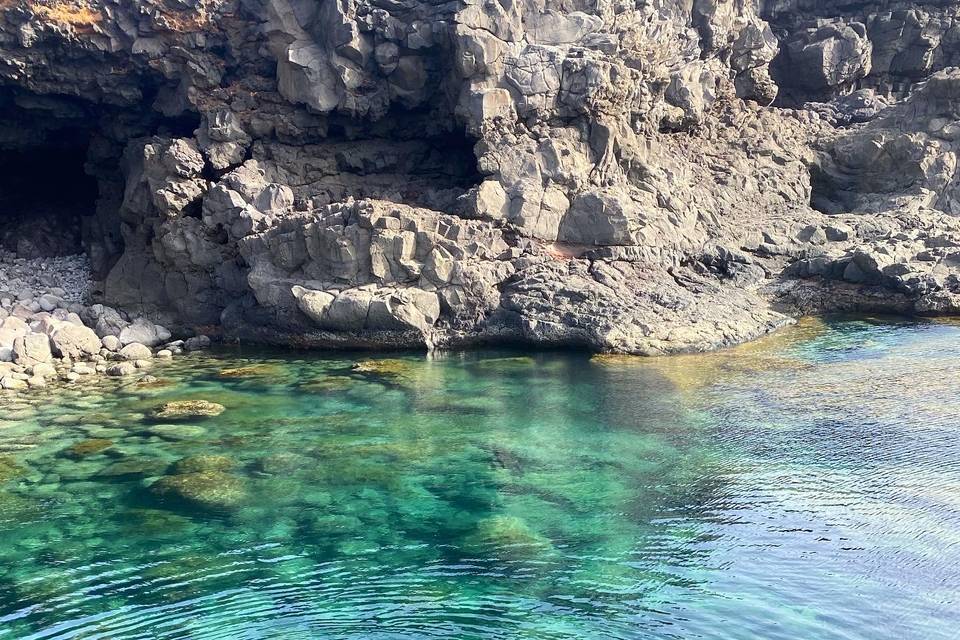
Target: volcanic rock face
{"x":622,"y":176}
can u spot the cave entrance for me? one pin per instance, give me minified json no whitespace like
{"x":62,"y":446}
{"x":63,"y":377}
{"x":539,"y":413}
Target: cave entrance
{"x":44,"y":195}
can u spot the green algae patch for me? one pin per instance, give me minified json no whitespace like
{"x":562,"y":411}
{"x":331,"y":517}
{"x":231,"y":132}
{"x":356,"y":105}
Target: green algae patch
{"x":187,"y":409}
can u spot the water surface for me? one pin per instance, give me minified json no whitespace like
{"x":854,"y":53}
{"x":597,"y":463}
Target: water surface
{"x":806,"y":486}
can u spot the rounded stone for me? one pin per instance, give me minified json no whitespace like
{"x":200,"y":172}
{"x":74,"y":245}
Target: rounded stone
{"x":136,"y":351}
{"x":121,"y":369}
{"x":212,"y":490}
{"x":184,"y":409}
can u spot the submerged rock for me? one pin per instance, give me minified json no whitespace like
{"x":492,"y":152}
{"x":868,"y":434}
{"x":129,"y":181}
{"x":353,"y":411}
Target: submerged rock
{"x":89,"y":447}
{"x":284,"y":463}
{"x":508,"y":534}
{"x":157,"y":521}
{"x":176,"y":431}
{"x":265,"y":370}
{"x":388,"y":368}
{"x":323,"y":524}
{"x":212,"y":490}
{"x":135,"y":466}
{"x":183,"y":409}
{"x":328,"y":384}
{"x":14,"y":507}
{"x":204,"y":462}
{"x":10,"y":468}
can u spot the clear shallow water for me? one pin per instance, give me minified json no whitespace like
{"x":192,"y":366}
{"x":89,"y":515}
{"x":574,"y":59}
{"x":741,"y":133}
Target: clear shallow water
{"x":807,"y":486}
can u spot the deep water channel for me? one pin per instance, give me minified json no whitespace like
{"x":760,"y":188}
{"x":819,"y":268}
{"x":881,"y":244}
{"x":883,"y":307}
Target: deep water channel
{"x":805,"y":486}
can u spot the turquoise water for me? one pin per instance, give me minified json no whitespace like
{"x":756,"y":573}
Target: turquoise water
{"x":807,"y":486}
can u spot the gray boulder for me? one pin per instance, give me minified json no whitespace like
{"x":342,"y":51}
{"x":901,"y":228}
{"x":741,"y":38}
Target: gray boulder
{"x":32,"y":349}
{"x":144,"y":332}
{"x":74,"y":341}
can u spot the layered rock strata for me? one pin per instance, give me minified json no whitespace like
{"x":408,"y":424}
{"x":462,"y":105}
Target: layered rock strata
{"x":648,"y":177}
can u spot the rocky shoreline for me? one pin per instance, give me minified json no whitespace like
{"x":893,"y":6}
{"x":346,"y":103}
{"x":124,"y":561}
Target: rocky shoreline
{"x":49,"y":334}
{"x":646,"y":178}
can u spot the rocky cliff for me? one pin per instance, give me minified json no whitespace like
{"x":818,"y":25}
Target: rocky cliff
{"x":647,"y":177}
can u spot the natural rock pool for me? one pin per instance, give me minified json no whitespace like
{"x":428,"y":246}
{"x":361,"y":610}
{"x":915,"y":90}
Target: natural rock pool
{"x":805,"y":486}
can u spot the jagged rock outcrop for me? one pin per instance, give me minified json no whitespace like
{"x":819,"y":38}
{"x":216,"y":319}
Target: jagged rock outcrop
{"x":621,"y":176}
{"x":830,"y":46}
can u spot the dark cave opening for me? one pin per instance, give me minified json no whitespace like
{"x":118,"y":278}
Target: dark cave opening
{"x":825,"y":196}
{"x":418,"y":157}
{"x":45,"y":193}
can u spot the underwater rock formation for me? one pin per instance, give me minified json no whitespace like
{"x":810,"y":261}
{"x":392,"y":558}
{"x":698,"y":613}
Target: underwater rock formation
{"x":642,"y":177}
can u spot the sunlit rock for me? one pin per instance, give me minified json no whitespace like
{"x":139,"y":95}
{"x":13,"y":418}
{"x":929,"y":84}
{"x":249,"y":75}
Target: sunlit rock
{"x":184,"y":409}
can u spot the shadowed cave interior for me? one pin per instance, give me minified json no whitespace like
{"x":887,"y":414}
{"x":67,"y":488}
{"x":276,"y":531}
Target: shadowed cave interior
{"x":44,"y":193}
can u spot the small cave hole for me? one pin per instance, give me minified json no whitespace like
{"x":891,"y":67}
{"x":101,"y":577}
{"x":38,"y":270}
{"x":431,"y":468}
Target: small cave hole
{"x":825,"y":197}
{"x":44,"y":194}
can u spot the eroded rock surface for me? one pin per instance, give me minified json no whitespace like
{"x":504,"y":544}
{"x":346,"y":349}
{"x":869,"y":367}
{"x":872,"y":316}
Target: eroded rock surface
{"x":636,"y":177}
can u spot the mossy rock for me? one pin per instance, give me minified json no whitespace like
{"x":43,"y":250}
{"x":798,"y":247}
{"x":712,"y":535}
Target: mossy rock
{"x":184,"y":409}
{"x":154,"y":383}
{"x":387,"y":368}
{"x":88,"y":447}
{"x":204,"y":462}
{"x":264,"y":370}
{"x":10,"y":469}
{"x":210,"y":490}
